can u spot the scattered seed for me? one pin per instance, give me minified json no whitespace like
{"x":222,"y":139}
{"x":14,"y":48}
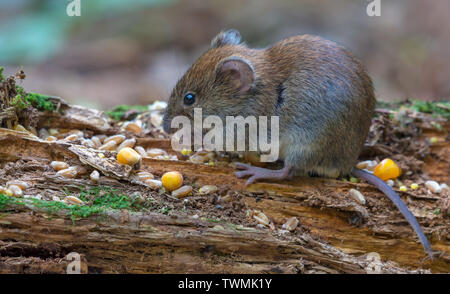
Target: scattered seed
{"x":290,"y":224}
{"x":143,"y":176}
{"x":133,"y":127}
{"x":53,"y":132}
{"x":207,"y":189}
{"x":72,"y":137}
{"x":153,"y":152}
{"x":68,"y":173}
{"x":387,"y":169}
{"x":16,"y":190}
{"x":141,"y":151}
{"x":182,"y":192}
{"x":88,"y":143}
{"x":109,"y":146}
{"x":444,"y":186}
{"x":154,"y":184}
{"x":127,"y":143}
{"x":51,"y":139}
{"x":185,"y":151}
{"x":357,"y":196}
{"x":414,"y":186}
{"x":390,"y":183}
{"x":101,"y":155}
{"x":21,"y":184}
{"x":73,"y":200}
{"x":433,"y":186}
{"x":97,"y":142}
{"x":43,"y":133}
{"x":116,"y":138}
{"x":261,"y":218}
{"x":403,"y":188}
{"x":95,"y":176}
{"x":59,"y":165}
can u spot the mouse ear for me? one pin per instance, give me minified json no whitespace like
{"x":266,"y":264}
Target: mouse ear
{"x":238,"y":72}
{"x":230,"y":37}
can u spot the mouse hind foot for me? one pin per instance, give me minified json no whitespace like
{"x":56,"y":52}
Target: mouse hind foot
{"x":257,"y":173}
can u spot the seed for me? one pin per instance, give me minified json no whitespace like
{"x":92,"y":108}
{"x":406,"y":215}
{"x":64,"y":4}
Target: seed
{"x":354,"y":180}
{"x":197,"y":158}
{"x":2,"y":190}
{"x":387,"y":169}
{"x":261,"y":218}
{"x":81,"y":170}
{"x":67,"y":173}
{"x":390,"y":183}
{"x":153,"y":152}
{"x":97,"y":142}
{"x":368,"y":164}
{"x":433,"y":186}
{"x":157,"y":105}
{"x":226,"y":198}
{"x":141,"y":151}
{"x":117,"y":138}
{"x":207,"y":189}
{"x":182,"y":192}
{"x":127,"y":143}
{"x":185,"y":151}
{"x":21,"y":184}
{"x":128,"y":156}
{"x":133,"y":127}
{"x":172,"y":180}
{"x":101,"y":155}
{"x":433,"y":140}
{"x":72,"y":137}
{"x":94,"y":176}
{"x":403,"y":188}
{"x":73,"y":200}
{"x":444,"y":186}
{"x":16,"y":191}
{"x":59,"y":165}
{"x":357,"y":196}
{"x":43,"y":134}
{"x":102,"y":137}
{"x":156,"y":119}
{"x":8,"y":192}
{"x":51,"y":139}
{"x":79,"y":133}
{"x":88,"y":143}
{"x":143,"y":176}
{"x":414,"y":186}
{"x":290,"y":224}
{"x":109,"y":146}
{"x":53,"y":132}
{"x":20,"y":128}
{"x":154,"y":184}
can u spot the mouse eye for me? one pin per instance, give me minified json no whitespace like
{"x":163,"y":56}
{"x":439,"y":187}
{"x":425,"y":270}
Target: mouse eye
{"x":189,"y":99}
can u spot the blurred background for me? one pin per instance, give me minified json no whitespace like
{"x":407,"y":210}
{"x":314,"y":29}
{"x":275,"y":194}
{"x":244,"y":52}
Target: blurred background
{"x":133,"y":52}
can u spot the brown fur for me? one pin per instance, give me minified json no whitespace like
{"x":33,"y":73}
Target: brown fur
{"x":325,"y":107}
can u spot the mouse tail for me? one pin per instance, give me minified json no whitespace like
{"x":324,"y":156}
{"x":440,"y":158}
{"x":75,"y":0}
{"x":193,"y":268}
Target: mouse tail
{"x":395,"y":198}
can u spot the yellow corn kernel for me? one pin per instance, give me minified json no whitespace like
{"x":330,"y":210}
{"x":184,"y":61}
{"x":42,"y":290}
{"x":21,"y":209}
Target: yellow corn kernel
{"x":387,"y":169}
{"x":128,"y":156}
{"x":403,"y":188}
{"x":172,"y":180}
{"x":185,"y":151}
{"x":414,"y":186}
{"x":51,"y":139}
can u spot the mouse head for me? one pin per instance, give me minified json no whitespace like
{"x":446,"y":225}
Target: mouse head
{"x":219,"y":82}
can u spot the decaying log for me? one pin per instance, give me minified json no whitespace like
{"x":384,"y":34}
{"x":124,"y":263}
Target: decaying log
{"x":336,"y":232}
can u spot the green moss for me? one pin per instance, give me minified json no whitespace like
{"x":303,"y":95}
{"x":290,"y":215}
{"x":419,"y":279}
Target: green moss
{"x":117,"y":113}
{"x":39,"y":101}
{"x":434,"y":108}
{"x":99,"y":200}
{"x":1,"y":73}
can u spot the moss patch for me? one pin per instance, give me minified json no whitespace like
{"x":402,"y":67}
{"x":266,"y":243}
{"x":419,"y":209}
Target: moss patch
{"x":97,"y":200}
{"x":118,"y":112}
